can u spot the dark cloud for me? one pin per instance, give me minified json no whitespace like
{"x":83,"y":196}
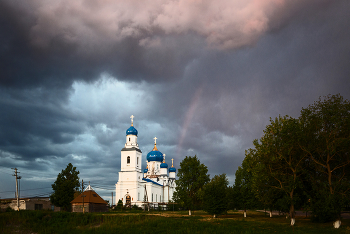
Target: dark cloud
{"x":69,"y":81}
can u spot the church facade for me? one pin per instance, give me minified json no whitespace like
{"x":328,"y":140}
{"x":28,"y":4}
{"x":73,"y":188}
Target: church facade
{"x":154,"y":185}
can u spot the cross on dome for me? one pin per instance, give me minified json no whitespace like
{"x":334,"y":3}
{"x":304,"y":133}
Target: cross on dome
{"x":132,"y":120}
{"x":163,"y":158}
{"x":155,"y":144}
{"x":172,"y":162}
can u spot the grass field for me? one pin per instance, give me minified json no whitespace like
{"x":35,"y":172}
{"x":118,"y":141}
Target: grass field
{"x":157,"y":222}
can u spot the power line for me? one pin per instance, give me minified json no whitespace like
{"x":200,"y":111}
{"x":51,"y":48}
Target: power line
{"x":32,"y":172}
{"x":26,"y":189}
{"x":34,"y":195}
{"x":6,"y":173}
{"x":98,"y":187}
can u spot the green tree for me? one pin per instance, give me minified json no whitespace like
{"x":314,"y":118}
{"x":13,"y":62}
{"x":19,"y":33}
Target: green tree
{"x":326,"y":125}
{"x":119,"y":206}
{"x":262,"y":185}
{"x":244,"y":196}
{"x":192,"y":176}
{"x":215,"y":195}
{"x":280,"y":153}
{"x":66,"y":184}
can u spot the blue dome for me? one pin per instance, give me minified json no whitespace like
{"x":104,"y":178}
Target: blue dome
{"x":172,"y":169}
{"x":155,"y":155}
{"x":145,"y":171}
{"x":163,"y":165}
{"x":131,"y":131}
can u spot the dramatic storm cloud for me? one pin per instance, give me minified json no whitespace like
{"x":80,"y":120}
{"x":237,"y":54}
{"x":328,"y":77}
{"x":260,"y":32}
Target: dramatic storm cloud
{"x":204,"y":77}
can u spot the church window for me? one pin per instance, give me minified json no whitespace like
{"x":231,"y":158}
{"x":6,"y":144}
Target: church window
{"x":137,"y":160}
{"x":129,"y":139}
{"x":138,"y":196}
{"x":128,"y":160}
{"x":128,"y":201}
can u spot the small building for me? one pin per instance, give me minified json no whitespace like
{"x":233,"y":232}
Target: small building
{"x":30,"y":203}
{"x":90,"y":201}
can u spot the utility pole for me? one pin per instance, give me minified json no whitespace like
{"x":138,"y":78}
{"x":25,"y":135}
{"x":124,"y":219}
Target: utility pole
{"x":82,"y":189}
{"x":16,"y":186}
{"x":19,"y":187}
{"x":112,"y":200}
{"x":145,"y":200}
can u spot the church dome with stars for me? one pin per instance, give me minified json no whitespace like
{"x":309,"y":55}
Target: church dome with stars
{"x":155,"y":154}
{"x":131,"y":131}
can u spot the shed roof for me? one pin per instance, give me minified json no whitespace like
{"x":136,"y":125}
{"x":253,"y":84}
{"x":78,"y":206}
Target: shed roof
{"x":90,"y":197}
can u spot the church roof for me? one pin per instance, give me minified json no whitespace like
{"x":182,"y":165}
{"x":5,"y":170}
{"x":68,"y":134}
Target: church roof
{"x":131,"y":131}
{"x":155,"y":155}
{"x":172,"y":169}
{"x":90,"y":197}
{"x":149,"y":180}
{"x":131,"y":149}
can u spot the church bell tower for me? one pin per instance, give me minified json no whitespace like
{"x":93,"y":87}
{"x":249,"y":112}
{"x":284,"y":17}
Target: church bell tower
{"x":131,"y":155}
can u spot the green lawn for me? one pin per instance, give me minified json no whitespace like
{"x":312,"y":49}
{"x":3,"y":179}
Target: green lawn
{"x":157,"y":222}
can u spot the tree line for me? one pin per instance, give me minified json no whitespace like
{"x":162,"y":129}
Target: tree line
{"x":298,"y":163}
{"x":301,"y":163}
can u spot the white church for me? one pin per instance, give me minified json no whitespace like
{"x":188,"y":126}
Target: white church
{"x":154,"y":186}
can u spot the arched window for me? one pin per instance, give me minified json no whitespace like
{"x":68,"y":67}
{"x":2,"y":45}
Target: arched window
{"x":129,"y":139}
{"x":128,"y":201}
{"x":128,"y":160}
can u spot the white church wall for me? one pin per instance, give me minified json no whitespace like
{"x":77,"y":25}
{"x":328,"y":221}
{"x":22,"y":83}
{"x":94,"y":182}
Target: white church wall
{"x":134,"y":163}
{"x":131,"y":180}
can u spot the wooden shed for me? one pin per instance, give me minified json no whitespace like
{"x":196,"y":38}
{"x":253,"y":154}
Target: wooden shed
{"x":91,"y":200}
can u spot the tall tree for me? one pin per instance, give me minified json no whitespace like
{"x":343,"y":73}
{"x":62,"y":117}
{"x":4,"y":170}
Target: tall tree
{"x":66,"y":184}
{"x":244,"y":195}
{"x":215,"y":195}
{"x":327,"y":128}
{"x":279,"y":151}
{"x":192,"y":176}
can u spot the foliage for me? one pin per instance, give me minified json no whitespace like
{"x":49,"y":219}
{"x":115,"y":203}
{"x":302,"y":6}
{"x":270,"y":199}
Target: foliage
{"x":302,"y":162}
{"x":66,"y":184}
{"x":243,"y":192}
{"x":326,"y":125}
{"x":192,"y":176}
{"x":119,"y":205}
{"x":279,"y":152}
{"x":215,"y":195}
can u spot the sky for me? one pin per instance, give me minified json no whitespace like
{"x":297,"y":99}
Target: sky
{"x":204,"y":77}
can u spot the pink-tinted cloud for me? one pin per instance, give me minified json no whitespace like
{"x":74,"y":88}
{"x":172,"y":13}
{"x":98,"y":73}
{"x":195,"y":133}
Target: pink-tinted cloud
{"x":225,"y":24}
